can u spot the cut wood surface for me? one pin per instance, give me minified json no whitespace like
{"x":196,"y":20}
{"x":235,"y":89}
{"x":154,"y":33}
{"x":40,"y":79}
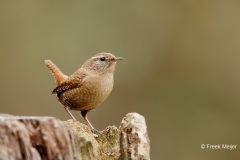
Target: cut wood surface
{"x":47,"y":138}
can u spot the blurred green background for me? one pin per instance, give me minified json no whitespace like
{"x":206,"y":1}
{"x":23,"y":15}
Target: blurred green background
{"x":181,"y":69}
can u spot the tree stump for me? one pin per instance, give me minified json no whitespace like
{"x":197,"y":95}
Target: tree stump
{"x":47,"y":138}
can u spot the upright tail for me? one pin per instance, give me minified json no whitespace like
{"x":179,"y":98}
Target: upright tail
{"x":58,"y":75}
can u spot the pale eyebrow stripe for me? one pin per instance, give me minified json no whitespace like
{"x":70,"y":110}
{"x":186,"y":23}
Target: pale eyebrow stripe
{"x":99,"y":57}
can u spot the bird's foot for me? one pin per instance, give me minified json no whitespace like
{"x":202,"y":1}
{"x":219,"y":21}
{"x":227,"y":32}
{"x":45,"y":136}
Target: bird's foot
{"x":96,"y":133}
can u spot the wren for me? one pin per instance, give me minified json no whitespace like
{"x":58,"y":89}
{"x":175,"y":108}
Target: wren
{"x":86,"y":88}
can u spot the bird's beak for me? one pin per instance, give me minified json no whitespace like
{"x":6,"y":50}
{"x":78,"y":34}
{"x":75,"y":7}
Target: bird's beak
{"x":118,"y":59}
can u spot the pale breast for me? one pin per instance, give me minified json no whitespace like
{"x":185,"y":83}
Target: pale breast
{"x":93,"y":92}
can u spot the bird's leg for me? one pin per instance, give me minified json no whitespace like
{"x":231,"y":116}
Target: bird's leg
{"x":84,"y":115}
{"x":67,"y":109}
{"x":94,"y":131}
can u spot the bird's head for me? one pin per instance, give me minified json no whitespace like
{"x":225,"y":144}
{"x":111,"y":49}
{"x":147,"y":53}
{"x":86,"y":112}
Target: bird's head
{"x":102,"y":63}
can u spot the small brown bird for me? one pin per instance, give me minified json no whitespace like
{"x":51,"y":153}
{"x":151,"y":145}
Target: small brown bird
{"x":86,"y":88}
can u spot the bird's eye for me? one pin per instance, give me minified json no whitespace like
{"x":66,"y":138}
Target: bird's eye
{"x":102,"y":58}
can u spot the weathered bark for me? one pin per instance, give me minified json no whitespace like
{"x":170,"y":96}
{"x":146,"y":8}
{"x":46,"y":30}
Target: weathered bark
{"x":134,"y":141}
{"x":42,"y":138}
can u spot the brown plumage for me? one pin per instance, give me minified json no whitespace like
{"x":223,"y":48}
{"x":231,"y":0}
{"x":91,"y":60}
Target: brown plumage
{"x":86,"y":88}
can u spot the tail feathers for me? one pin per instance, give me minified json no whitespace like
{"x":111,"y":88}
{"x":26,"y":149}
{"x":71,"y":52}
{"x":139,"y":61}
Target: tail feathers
{"x":58,"y":75}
